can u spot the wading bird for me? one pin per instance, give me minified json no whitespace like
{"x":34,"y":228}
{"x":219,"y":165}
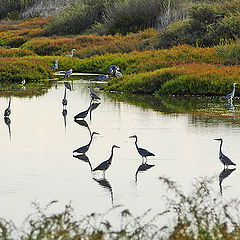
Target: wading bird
{"x":143,"y":152}
{"x":114,"y":71}
{"x":224,"y":159}
{"x":55,"y":65}
{"x":84,"y":113}
{"x":102,"y":77}
{"x":106,"y":164}
{"x":68,"y":73}
{"x":85,"y":148}
{"x":230,"y":96}
{"x":64,"y":101}
{"x":7,"y":111}
{"x":71,"y":54}
{"x":92,"y":94}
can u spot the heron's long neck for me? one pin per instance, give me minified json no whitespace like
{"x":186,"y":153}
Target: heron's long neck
{"x":72,"y":52}
{"x":136,"y":142}
{"x":220,"y":149}
{"x":90,"y":140}
{"x":111,"y":156}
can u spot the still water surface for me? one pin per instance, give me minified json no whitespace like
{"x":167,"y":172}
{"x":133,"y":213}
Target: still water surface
{"x":37,"y":162}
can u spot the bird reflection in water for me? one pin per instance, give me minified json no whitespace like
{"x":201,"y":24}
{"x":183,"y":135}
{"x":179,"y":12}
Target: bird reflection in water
{"x":7,"y":121}
{"x":84,"y":158}
{"x":226,"y":172}
{"x":106,"y":185}
{"x":94,"y":105}
{"x":142,"y":168}
{"x":230,"y":106}
{"x":83,"y":114}
{"x":83,"y":123}
{"x":64,"y":113}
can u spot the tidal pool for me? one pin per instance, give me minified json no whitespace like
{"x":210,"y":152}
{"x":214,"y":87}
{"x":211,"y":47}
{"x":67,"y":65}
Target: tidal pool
{"x":36,"y":149}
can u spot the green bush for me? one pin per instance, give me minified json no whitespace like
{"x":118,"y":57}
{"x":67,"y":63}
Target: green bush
{"x":205,"y":26}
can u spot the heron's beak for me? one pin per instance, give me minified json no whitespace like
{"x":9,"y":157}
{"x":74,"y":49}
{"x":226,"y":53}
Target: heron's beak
{"x":131,"y":137}
{"x":117,"y":146}
{"x":217,"y":139}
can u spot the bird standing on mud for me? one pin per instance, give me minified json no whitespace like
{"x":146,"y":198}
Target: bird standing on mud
{"x":143,"y":152}
{"x":106,"y":164}
{"x":224,"y":159}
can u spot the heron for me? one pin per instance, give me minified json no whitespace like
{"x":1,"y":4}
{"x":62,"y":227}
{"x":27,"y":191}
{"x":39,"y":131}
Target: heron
{"x":71,"y":54}
{"x":106,"y":164}
{"x":68,"y":73}
{"x":84,"y":113}
{"x":64,"y":101}
{"x":224,"y":159}
{"x":7,"y":111}
{"x":143,"y":152}
{"x":85,"y":148}
{"x":117,"y":74}
{"x":230,"y":96}
{"x":92,"y":94}
{"x":113,"y":69}
{"x":102,"y":77}
{"x":67,"y":85}
{"x":55,"y":65}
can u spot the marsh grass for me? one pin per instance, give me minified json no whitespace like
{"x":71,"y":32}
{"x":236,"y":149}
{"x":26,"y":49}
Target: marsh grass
{"x":198,"y":214}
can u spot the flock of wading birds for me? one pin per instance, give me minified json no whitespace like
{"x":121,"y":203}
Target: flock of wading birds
{"x":144,"y":153}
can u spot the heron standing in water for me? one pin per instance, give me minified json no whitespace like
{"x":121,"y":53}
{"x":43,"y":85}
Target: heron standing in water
{"x":68,"y":73}
{"x":230,"y":96}
{"x":84,"y":113}
{"x":106,"y":164}
{"x":85,"y":148}
{"x":143,"y":152}
{"x":92,"y":94}
{"x":7,"y":111}
{"x":224,"y":159}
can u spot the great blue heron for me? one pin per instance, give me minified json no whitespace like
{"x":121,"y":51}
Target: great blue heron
{"x":85,"y":148}
{"x":224,"y":159}
{"x":68,"y":73}
{"x":106,"y":164}
{"x":64,"y":101}
{"x":55,"y":65}
{"x":143,"y":152}
{"x":7,"y":111}
{"x":67,"y":85}
{"x":230,"y":96}
{"x":102,"y":77}
{"x":71,"y":55}
{"x":92,"y":94}
{"x":84,"y":113}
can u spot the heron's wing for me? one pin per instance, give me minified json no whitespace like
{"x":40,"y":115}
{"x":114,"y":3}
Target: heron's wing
{"x":145,"y":152}
{"x":227,"y":160}
{"x":102,"y":166}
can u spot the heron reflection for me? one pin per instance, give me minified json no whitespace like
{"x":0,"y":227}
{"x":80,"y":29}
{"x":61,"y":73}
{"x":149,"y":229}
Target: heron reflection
{"x":230,"y":106}
{"x":64,"y":113}
{"x":84,"y":158}
{"x":7,"y":121}
{"x":7,"y":111}
{"x":142,"y":168}
{"x":94,"y":105}
{"x":65,"y":101}
{"x":83,"y":123}
{"x":106,"y":185}
{"x":84,"y":113}
{"x":226,"y":172}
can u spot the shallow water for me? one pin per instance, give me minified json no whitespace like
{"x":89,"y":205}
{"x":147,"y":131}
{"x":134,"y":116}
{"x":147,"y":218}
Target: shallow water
{"x":36,"y":152}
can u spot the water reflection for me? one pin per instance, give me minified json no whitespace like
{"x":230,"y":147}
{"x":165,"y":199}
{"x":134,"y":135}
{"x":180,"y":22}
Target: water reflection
{"x":94,"y":106}
{"x":142,"y":168}
{"x":84,"y":113}
{"x":84,"y":158}
{"x":83,"y":123}
{"x":226,"y":172}
{"x":231,"y":107}
{"x":106,"y":185}
{"x":64,"y":113}
{"x":7,"y":121}
{"x":203,"y":110}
